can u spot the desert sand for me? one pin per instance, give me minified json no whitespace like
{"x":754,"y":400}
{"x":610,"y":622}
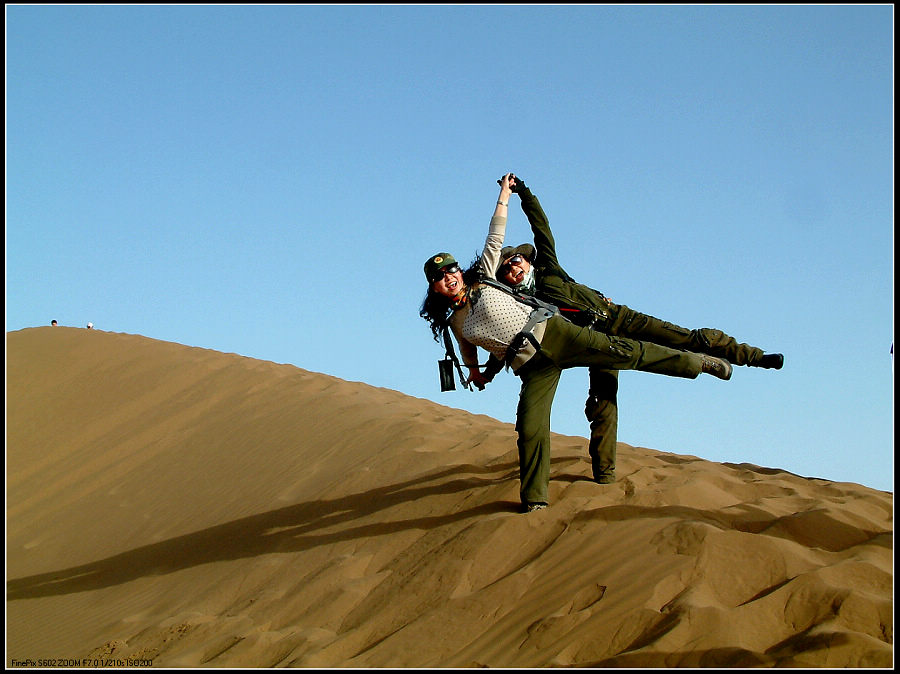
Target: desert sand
{"x":182,"y":507}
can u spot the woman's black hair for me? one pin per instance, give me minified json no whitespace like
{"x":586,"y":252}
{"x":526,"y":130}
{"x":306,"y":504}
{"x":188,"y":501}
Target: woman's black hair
{"x":436,"y":308}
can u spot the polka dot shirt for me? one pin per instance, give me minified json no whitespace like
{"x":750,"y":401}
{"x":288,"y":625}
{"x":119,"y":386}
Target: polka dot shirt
{"x":495,"y":319}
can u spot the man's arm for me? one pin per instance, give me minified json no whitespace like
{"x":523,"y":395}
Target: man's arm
{"x":540,"y":227}
{"x":494,"y":365}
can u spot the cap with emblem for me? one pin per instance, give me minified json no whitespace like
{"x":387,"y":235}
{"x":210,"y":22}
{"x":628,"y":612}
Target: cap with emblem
{"x":436,"y":263}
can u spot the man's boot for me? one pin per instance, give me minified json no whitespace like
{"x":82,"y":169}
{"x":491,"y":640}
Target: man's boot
{"x":772,"y":361}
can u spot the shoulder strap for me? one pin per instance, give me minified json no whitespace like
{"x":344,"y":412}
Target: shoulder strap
{"x":524,"y":299}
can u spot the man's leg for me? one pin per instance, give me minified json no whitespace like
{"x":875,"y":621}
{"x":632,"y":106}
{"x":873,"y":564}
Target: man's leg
{"x":568,"y":345}
{"x":602,"y":411}
{"x":633,"y":324}
{"x":539,"y":381}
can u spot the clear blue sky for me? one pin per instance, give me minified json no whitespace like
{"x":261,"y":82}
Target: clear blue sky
{"x":268,"y":181}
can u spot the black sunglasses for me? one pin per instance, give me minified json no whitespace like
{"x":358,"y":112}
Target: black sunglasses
{"x":515,"y":259}
{"x":439,"y":274}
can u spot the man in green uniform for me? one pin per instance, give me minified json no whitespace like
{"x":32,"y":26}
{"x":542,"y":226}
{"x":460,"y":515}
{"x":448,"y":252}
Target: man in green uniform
{"x":536,"y":270}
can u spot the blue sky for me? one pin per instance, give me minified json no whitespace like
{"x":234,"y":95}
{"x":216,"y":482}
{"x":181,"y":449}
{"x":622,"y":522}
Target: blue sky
{"x":269,"y":180}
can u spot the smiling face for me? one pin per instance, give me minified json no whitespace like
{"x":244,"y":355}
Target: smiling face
{"x":512,"y":271}
{"x":451,"y":283}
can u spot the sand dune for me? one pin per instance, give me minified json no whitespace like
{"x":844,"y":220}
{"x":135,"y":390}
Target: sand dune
{"x":190,"y":508}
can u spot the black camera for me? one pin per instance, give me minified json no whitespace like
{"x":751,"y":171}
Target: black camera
{"x":445,"y":369}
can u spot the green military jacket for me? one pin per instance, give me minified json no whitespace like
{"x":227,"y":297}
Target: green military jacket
{"x":552,"y":283}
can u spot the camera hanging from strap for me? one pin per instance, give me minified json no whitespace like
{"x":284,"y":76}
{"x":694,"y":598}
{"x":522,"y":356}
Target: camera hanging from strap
{"x":446,"y":365}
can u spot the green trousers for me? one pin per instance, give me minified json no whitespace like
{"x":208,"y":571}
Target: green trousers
{"x":602,"y":411}
{"x":601,"y":407}
{"x":625,"y":322}
{"x":565,"y":346}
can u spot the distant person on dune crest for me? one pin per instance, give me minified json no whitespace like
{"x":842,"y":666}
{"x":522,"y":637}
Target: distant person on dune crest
{"x":536,"y":342}
{"x":535,"y":270}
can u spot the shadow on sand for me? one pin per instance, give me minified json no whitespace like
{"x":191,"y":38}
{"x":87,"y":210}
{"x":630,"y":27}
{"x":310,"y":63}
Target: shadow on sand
{"x":289,"y":529}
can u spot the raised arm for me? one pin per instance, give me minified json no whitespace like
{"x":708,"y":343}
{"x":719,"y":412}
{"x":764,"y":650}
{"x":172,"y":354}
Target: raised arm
{"x":490,"y":256}
{"x":540,"y":226}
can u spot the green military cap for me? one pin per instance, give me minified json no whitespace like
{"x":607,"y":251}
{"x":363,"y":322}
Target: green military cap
{"x":436,"y":263}
{"x":526,"y":250}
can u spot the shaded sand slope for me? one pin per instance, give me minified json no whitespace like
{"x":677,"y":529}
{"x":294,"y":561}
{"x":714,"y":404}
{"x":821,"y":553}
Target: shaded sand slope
{"x":206,"y":509}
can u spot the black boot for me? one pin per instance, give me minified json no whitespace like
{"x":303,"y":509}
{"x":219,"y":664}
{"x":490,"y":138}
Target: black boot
{"x":771,"y":361}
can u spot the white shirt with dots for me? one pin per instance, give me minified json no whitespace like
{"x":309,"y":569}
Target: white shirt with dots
{"x":494,"y":318}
